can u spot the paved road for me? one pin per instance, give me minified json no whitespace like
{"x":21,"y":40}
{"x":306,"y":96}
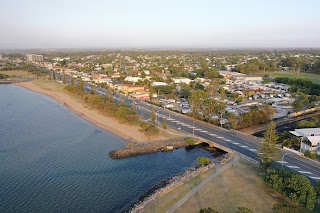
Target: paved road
{"x":244,"y":144}
{"x":219,"y":170}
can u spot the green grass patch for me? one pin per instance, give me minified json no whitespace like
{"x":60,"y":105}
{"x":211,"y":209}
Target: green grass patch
{"x":313,"y":77}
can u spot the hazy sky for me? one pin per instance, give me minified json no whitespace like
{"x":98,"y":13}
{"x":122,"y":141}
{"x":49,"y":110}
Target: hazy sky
{"x":159,"y":23}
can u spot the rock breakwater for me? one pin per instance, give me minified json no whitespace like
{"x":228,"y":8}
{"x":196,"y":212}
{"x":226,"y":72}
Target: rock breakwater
{"x":168,"y":185}
{"x":151,"y":147}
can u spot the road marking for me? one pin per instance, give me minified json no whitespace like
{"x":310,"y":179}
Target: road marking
{"x":170,"y":119}
{"x":280,"y":161}
{"x":198,"y":129}
{"x":220,"y":137}
{"x":227,"y":140}
{"x":304,"y":172}
{"x":187,"y":125}
{"x":253,"y":150}
{"x":235,"y":143}
{"x":191,"y":127}
{"x":213,"y":134}
{"x":294,"y":167}
{"x":176,"y":121}
{"x":316,"y":178}
{"x":244,"y":146}
{"x":203,"y":131}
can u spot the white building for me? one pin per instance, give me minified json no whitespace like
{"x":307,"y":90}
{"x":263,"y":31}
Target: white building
{"x":34,"y":57}
{"x":132,"y":79}
{"x":310,"y":139}
{"x":181,"y":80}
{"x":157,"y":84}
{"x":247,"y":78}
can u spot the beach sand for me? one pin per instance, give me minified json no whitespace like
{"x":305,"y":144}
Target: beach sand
{"x":127,"y":132}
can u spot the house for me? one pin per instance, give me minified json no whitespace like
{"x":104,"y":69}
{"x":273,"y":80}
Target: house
{"x":157,"y":84}
{"x":310,"y":139}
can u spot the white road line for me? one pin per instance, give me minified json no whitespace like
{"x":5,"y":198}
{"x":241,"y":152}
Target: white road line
{"x":190,"y":127}
{"x":213,"y":134}
{"x":304,"y":172}
{"x":235,"y":143}
{"x":198,"y":129}
{"x":203,"y":131}
{"x":316,"y":178}
{"x":253,"y":150}
{"x":279,"y":161}
{"x":294,"y":167}
{"x":227,"y":140}
{"x":244,"y":146}
{"x":176,"y":121}
{"x":170,"y":119}
{"x":220,"y":137}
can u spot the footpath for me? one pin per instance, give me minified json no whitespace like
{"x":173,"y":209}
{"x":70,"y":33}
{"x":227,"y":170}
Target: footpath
{"x":219,"y":170}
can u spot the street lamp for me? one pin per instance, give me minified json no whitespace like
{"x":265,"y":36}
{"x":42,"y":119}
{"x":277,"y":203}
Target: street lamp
{"x":282,"y":159}
{"x":193,"y":127}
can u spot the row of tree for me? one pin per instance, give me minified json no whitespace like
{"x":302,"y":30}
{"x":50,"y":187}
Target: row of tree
{"x":123,"y":113}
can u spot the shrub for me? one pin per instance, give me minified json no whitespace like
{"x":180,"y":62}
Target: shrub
{"x":71,"y":88}
{"x":203,"y":161}
{"x":190,"y":141}
{"x":284,"y":208}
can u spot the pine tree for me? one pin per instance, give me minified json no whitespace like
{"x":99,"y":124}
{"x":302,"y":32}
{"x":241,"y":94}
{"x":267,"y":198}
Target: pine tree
{"x":72,"y":81}
{"x":268,"y":149}
{"x":153,"y":114}
{"x":164,"y":124}
{"x":64,"y":78}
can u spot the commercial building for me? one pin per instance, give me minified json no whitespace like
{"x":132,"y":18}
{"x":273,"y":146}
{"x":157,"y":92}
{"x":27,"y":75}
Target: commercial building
{"x":34,"y":58}
{"x":247,"y":78}
{"x":310,"y":139}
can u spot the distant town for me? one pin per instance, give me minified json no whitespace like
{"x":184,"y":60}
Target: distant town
{"x":232,"y":108}
{"x":232,"y":89}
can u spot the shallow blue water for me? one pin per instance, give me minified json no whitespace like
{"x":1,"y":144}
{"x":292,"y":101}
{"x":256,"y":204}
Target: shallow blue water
{"x":51,"y":160}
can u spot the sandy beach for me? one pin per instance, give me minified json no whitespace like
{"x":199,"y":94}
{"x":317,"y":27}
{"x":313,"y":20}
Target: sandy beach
{"x":78,"y":106}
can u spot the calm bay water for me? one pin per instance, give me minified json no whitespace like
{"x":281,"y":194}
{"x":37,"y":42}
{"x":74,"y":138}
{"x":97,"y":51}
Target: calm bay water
{"x":54,"y":161}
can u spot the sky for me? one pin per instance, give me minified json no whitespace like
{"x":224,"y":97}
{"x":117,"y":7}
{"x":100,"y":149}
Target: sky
{"x":159,"y":24}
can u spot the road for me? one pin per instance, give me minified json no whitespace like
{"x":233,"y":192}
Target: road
{"x":244,"y":144}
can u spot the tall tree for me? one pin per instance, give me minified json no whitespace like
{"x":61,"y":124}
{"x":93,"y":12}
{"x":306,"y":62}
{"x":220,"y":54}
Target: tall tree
{"x":72,"y":81}
{"x":268,"y":149}
{"x":81,"y":84}
{"x":64,"y":78}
